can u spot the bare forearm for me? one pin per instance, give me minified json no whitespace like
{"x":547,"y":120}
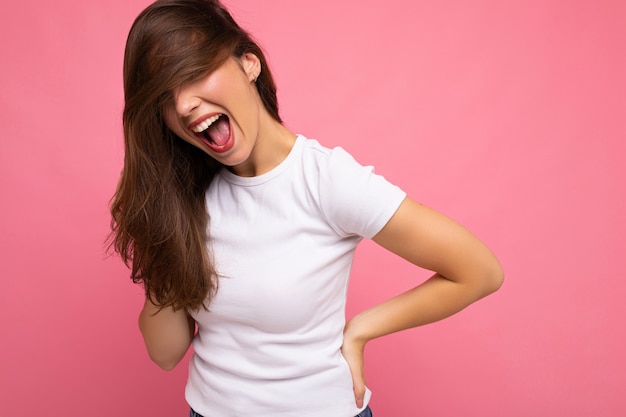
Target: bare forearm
{"x":167,"y":334}
{"x":433,"y":300}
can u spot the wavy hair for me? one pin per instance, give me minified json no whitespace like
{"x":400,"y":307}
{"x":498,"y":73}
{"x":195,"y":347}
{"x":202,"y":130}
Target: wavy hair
{"x":159,"y":220}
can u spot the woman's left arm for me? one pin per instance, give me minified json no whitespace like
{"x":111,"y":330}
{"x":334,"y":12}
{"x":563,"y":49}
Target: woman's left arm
{"x":465,"y":271}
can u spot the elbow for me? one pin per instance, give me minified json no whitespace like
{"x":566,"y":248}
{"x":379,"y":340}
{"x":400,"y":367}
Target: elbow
{"x":484,"y":279}
{"x":165,"y":354}
{"x":167,"y":366}
{"x":493,"y":278}
{"x":167,"y":335}
{"x":165,"y":362}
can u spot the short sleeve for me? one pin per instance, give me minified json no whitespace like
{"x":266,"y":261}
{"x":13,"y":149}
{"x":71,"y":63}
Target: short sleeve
{"x":355,"y":200}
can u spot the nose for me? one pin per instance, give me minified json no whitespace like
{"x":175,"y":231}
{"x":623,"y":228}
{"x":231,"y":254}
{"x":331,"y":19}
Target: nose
{"x":186,"y":102}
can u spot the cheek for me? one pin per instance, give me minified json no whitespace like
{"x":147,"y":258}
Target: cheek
{"x":248,"y":112}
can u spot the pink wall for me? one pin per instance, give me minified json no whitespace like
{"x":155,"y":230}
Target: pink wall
{"x":509,"y":116}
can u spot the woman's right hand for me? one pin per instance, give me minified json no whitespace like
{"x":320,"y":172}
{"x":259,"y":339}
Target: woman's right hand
{"x":353,"y":352}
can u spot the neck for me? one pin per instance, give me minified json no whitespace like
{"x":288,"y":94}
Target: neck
{"x":273,"y":144}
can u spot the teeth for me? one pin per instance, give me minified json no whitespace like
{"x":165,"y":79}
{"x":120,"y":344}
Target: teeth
{"x":205,"y":125}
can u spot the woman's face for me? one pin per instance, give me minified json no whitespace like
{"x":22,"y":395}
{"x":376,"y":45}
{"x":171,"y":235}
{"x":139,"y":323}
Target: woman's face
{"x":220,"y":113}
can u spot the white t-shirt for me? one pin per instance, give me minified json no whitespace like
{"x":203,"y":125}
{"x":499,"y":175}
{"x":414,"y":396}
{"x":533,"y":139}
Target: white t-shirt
{"x":283,"y":244}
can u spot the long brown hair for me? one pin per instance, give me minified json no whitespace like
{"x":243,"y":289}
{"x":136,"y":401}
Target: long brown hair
{"x":159,"y":218}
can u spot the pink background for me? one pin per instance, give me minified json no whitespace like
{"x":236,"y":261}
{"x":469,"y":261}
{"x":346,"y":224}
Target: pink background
{"x":509,"y":116}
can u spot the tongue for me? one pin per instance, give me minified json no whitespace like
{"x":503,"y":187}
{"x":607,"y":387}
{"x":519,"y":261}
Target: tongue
{"x":219,"y":132}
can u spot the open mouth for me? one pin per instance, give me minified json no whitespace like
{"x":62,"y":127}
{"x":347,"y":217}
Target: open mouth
{"x":215,"y":132}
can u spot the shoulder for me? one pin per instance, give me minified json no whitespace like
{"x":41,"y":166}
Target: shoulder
{"x":328,"y":160}
{"x":354,"y":198}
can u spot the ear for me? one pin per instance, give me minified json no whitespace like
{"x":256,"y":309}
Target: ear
{"x":251,"y":65}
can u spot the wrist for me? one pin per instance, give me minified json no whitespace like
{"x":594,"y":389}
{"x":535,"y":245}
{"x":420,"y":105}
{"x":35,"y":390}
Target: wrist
{"x":355,"y":331}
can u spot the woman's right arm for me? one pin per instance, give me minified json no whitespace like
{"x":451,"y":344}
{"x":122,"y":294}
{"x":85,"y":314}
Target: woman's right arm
{"x":166,"y":333}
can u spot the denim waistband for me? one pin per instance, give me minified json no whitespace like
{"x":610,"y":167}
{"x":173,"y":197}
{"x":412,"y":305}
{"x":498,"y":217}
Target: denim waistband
{"x":367,"y":412}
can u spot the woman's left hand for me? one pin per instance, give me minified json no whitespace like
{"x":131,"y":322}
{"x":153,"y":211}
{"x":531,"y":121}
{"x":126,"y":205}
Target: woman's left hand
{"x":353,"y":352}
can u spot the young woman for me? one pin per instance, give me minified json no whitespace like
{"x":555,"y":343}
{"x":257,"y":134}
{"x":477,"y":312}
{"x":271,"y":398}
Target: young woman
{"x":240,"y":227}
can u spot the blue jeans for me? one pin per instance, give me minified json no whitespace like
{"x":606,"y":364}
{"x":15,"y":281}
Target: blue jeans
{"x":367,"y":412}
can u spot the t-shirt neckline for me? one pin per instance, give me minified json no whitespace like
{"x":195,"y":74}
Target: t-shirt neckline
{"x":269,"y":175}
